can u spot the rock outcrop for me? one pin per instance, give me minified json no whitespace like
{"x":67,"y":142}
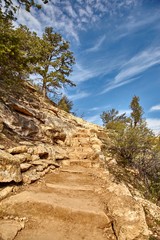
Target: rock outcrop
{"x":9,"y":168}
{"x":37,"y":138}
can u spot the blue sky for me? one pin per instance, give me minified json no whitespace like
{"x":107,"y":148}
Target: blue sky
{"x":116,"y":44}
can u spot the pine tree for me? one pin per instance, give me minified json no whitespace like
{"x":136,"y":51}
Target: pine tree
{"x":137,"y":111}
{"x":112,"y":116}
{"x":56,"y":62}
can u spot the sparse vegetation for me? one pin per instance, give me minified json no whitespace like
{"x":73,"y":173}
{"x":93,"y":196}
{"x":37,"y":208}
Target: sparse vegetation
{"x":134,"y":145}
{"x":65,"y":104}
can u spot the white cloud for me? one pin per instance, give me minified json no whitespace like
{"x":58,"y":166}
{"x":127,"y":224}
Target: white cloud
{"x":101,"y":108}
{"x":69,"y":16}
{"x":25,"y":18}
{"x":131,"y":70}
{"x":134,"y":23}
{"x":83,"y":72}
{"x":94,"y":109}
{"x":154,"y":124}
{"x":71,"y":11}
{"x":155,"y":108}
{"x":78,"y":96}
{"x":98,"y":44}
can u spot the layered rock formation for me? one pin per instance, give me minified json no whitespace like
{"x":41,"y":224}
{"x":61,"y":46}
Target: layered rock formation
{"x":37,"y":138}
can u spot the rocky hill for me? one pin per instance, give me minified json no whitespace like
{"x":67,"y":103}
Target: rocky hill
{"x":55,"y":182}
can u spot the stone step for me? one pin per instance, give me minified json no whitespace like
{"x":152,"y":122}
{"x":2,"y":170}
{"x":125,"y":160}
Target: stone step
{"x":70,"y":187}
{"x":85,"y":163}
{"x":54,"y":229}
{"x":81,"y":209}
{"x":74,"y":171}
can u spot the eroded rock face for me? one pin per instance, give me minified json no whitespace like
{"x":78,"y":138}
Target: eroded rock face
{"x":9,"y":168}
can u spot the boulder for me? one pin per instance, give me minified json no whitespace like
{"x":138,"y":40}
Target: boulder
{"x":129,"y":218}
{"x":128,"y":215}
{"x":25,"y":166}
{"x":9,"y":168}
{"x":30,"y":176}
{"x":41,"y":151}
{"x":18,"y":149}
{"x":23,"y":157}
{"x":9,"y":229}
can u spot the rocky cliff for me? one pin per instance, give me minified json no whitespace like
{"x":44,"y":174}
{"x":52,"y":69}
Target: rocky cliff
{"x":36,"y":139}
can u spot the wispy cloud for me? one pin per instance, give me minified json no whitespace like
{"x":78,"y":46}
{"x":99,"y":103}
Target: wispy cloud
{"x":135,"y":23}
{"x":97,"y":45}
{"x":99,"y":109}
{"x":81,"y":73}
{"x":84,"y":72}
{"x":79,"y":95}
{"x":26,"y":18}
{"x":69,"y":16}
{"x":131,"y":70}
{"x":154,"y":124}
{"x":155,"y":108}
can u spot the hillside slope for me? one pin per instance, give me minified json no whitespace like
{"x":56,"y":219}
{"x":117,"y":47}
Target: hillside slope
{"x":72,"y":192}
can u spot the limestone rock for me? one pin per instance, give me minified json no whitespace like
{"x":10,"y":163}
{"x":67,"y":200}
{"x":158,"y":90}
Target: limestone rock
{"x":20,"y":108}
{"x":34,"y":157}
{"x":45,"y":162}
{"x":18,"y":149}
{"x":2,"y":147}
{"x":128,"y":215}
{"x":25,"y":166}
{"x":23,"y":157}
{"x":151,"y":208}
{"x":30,"y":176}
{"x":5,"y":192}
{"x":129,"y":218}
{"x":9,"y":168}
{"x":9,"y":229}
{"x":26,"y":143}
{"x":41,"y":151}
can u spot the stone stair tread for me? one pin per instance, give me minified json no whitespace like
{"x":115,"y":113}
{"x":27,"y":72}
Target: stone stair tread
{"x":53,"y":199}
{"x":71,"y":187}
{"x":84,"y":162}
{"x":55,"y":229}
{"x":76,"y":169}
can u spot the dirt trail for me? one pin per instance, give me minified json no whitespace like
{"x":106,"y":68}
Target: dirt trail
{"x":64,"y":205}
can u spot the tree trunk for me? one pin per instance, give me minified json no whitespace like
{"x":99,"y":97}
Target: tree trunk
{"x":44,"y":89}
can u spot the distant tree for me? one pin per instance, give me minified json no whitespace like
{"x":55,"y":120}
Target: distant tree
{"x":65,"y":104}
{"x":56,"y":62}
{"x":137,"y":111}
{"x":111,"y":116}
